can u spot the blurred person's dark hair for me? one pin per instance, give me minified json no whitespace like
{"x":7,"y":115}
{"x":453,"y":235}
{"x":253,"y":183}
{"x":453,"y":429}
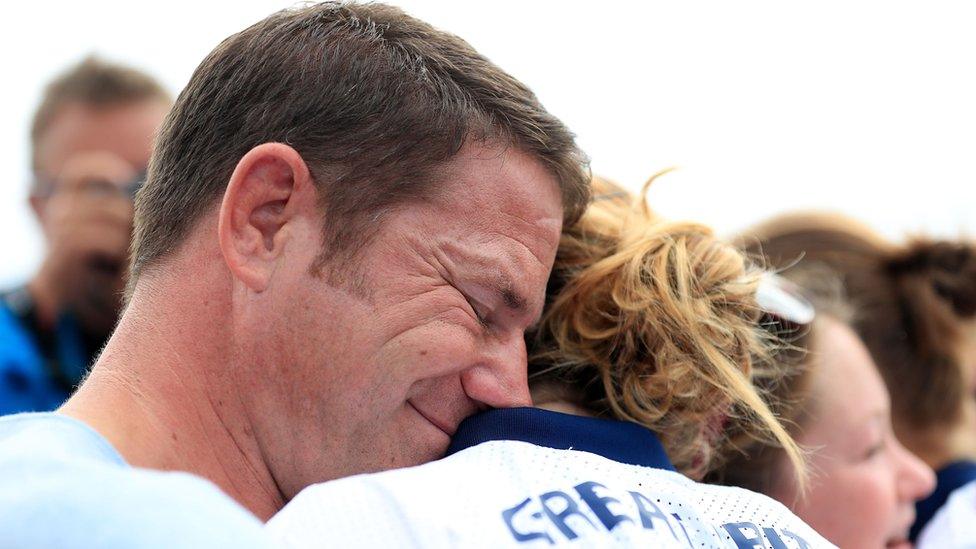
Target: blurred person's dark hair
{"x":96,"y":84}
{"x":374,"y":101}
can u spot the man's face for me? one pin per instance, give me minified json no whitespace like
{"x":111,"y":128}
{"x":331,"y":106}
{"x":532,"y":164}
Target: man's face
{"x":125,"y":131}
{"x":426,"y":329}
{"x":86,"y":159}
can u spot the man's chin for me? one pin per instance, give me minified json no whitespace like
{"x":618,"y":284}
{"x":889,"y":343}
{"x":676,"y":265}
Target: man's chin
{"x":430,"y":438}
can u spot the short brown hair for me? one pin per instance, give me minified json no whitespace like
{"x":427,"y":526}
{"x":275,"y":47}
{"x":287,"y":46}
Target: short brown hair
{"x":94,"y":83}
{"x":374,"y":100}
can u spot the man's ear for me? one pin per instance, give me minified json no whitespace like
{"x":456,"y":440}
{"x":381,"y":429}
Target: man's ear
{"x":270,"y":189}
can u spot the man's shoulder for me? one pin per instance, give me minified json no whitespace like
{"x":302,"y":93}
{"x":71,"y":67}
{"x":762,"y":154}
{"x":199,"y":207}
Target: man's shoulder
{"x":51,"y":441}
{"x":62,"y":484}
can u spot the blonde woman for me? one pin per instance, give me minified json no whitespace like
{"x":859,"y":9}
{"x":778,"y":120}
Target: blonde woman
{"x":643,"y":356}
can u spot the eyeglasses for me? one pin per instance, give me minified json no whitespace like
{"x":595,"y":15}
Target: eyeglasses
{"x":45,"y":187}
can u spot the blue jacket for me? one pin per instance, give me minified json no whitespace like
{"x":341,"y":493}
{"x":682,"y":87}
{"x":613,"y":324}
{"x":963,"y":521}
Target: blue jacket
{"x":29,"y":380}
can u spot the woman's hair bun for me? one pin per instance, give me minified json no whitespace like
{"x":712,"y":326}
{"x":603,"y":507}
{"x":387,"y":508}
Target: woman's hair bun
{"x":948,"y":268}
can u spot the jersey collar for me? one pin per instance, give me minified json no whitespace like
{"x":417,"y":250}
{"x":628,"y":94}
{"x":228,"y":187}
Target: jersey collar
{"x":620,"y":441}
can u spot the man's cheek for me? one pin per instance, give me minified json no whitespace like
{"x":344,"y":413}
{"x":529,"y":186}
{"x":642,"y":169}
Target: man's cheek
{"x":450,"y":352}
{"x":437,"y":348}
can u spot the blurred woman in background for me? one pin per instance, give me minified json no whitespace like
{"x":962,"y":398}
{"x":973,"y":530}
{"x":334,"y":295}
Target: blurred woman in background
{"x":915,"y":309}
{"x":864,"y":483}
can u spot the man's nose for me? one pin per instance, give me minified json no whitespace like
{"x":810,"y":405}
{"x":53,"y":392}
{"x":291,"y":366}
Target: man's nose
{"x":500,"y":380}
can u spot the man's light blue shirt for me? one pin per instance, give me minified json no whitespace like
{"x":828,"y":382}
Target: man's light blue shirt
{"x":64,"y":485}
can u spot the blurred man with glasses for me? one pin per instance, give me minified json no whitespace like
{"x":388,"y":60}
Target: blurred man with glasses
{"x":91,"y":138}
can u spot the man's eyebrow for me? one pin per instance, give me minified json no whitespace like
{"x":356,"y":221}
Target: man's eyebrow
{"x":513,"y":300}
{"x":499,"y":279}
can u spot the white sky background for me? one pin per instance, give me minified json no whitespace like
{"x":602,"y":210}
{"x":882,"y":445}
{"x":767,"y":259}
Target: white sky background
{"x":766,"y":106}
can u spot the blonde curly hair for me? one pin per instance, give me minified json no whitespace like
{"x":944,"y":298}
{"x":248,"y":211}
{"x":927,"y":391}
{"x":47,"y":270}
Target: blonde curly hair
{"x":656,"y":322}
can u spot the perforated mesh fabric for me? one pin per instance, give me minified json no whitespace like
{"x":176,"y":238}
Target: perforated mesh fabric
{"x":515,"y":494}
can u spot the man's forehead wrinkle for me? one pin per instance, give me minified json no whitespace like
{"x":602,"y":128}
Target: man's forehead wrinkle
{"x":443,"y":263}
{"x":503,"y":272}
{"x":539,"y":235}
{"x":527,"y":209}
{"x":538,"y":249}
{"x":536,"y":223}
{"x":504,"y":183}
{"x":506,"y":266}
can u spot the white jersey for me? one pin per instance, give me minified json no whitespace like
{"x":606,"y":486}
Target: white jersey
{"x":509,"y":493}
{"x":954,"y":525}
